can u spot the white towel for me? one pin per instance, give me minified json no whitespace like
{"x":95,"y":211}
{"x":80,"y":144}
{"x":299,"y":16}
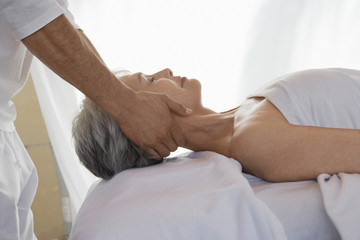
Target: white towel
{"x":341,"y":196}
{"x":201,"y":195}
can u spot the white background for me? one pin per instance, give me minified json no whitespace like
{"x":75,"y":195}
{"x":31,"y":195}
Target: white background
{"x":202,"y":39}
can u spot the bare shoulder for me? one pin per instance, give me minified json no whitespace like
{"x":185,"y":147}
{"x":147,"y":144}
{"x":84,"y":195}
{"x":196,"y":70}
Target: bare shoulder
{"x":269,"y":147}
{"x":254,"y":112}
{"x":251,"y":122}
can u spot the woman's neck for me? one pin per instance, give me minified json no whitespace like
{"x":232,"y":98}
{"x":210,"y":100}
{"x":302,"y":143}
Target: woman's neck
{"x":207,"y":130}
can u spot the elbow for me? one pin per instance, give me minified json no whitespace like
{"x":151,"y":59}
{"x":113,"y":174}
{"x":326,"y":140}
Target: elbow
{"x":269,"y":174}
{"x":279,"y":174}
{"x":272,"y":176}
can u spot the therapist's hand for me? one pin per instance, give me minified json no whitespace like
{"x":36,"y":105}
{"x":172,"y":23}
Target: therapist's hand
{"x":145,"y":118}
{"x":148,"y":121}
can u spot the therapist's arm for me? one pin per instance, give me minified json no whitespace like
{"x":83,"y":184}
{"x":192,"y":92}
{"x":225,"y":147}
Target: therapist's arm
{"x":90,"y":45}
{"x":145,"y":118}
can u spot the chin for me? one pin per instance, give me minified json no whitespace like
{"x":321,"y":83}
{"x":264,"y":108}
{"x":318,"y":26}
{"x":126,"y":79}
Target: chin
{"x":195,"y":84}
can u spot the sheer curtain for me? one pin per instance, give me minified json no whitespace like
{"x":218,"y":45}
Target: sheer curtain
{"x":232,"y":48}
{"x":301,"y":34}
{"x":59,"y":103}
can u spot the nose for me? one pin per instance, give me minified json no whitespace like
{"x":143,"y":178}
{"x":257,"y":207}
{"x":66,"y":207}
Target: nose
{"x":171,"y":73}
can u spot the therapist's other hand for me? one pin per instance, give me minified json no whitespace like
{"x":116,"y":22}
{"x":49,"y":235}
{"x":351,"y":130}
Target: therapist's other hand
{"x":149,"y":123}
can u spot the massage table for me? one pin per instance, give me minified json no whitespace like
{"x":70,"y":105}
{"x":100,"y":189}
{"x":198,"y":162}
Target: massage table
{"x":204,"y":195}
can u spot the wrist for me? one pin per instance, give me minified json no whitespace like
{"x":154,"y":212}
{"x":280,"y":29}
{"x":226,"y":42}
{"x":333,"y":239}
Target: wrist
{"x":118,"y":99}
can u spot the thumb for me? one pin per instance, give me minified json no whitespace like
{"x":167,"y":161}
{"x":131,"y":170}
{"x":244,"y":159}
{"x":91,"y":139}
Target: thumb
{"x":176,"y":107}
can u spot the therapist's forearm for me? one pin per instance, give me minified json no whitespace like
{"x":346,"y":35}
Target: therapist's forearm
{"x":67,"y":53}
{"x":90,"y":45}
{"x":63,"y":50}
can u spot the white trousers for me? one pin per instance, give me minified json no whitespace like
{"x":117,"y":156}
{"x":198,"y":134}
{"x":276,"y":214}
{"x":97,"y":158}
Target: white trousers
{"x":18,"y":183}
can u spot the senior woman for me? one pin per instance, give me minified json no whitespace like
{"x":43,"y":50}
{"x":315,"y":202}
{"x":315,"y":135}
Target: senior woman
{"x":294,"y":128}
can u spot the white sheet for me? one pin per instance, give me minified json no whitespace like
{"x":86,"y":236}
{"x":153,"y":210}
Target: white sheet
{"x":200,"y":196}
{"x":57,"y":98}
{"x":341,"y":195}
{"x":299,"y":207}
{"x":206,"y":196}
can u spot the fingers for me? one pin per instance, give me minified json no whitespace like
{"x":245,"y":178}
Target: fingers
{"x":174,"y":137}
{"x":160,"y":133}
{"x":176,"y":107}
{"x":178,"y":137}
{"x":166,"y":146}
{"x":171,"y":145}
{"x":159,"y":152}
{"x":153,"y":154}
{"x":162,"y":150}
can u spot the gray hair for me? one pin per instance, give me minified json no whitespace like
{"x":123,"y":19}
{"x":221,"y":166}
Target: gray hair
{"x":101,"y":146}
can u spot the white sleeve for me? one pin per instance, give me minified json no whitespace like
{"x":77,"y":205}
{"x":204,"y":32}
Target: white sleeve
{"x":65,"y":6}
{"x":26,"y":17}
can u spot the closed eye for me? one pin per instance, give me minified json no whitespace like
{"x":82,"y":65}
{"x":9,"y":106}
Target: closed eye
{"x":146,"y":78}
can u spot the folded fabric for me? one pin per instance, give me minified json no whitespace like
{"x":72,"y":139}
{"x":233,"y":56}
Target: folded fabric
{"x":298,"y":206}
{"x":341,"y":196}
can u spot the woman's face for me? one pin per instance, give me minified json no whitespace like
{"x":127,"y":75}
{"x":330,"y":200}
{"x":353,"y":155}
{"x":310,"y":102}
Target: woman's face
{"x":183,"y":90}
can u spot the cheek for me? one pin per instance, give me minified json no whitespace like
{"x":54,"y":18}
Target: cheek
{"x":131,"y":82}
{"x":162,"y":87}
{"x":190,"y":97}
{"x":178,"y":94}
{"x":133,"y":85}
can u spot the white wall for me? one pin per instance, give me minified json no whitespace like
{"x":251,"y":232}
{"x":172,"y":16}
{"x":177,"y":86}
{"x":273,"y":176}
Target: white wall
{"x":204,"y":39}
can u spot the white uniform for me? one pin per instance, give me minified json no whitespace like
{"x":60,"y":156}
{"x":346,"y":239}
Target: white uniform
{"x":18,"y":178}
{"x":317,"y":97}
